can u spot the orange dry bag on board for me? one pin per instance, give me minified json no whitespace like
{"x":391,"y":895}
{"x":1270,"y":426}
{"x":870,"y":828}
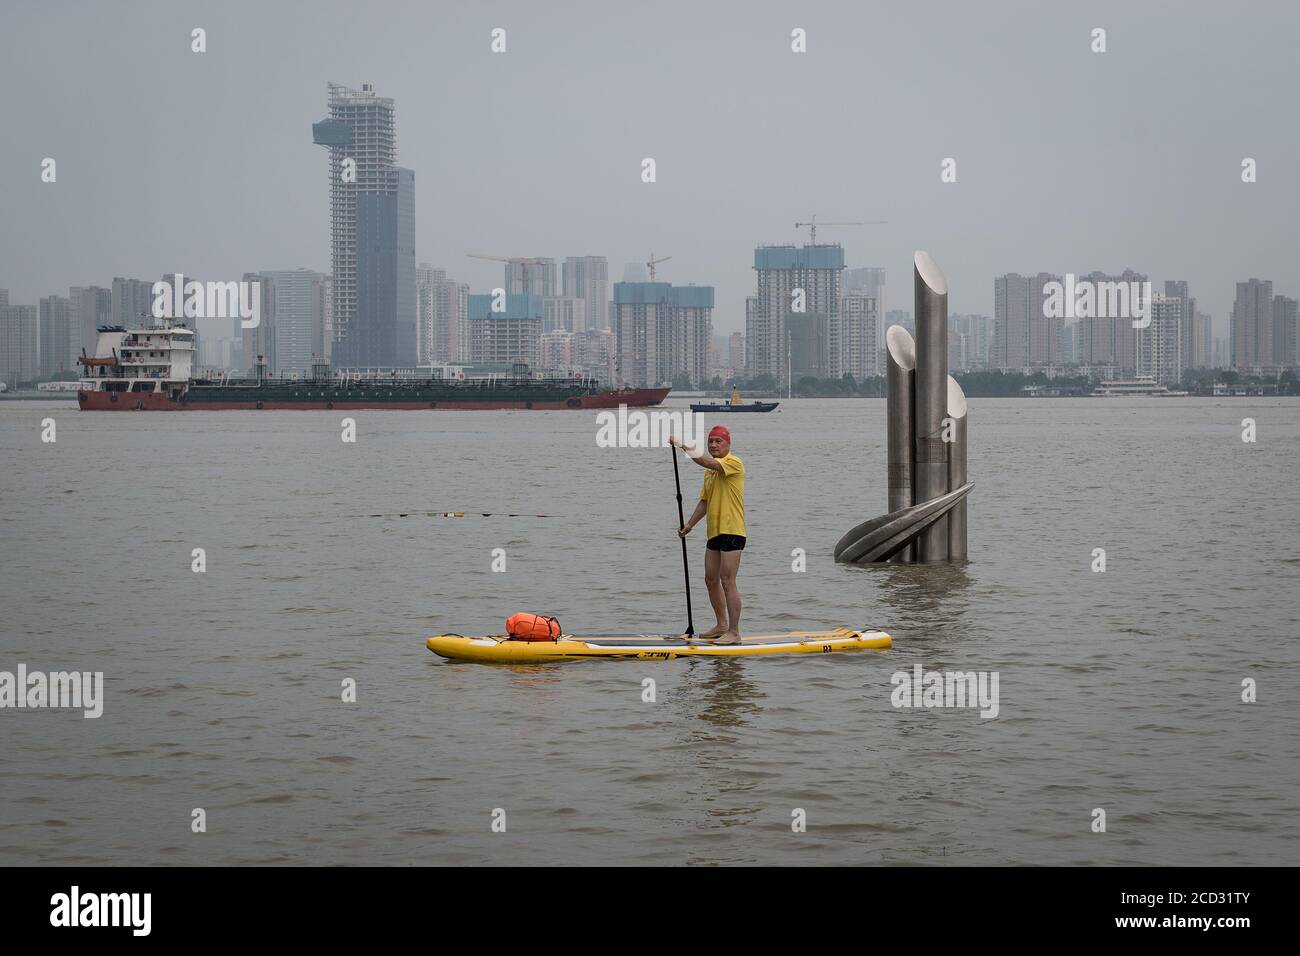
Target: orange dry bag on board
{"x":532,"y":627}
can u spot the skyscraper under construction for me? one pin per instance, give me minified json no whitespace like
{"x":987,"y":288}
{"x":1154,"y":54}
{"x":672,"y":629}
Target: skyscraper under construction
{"x":372,"y":223}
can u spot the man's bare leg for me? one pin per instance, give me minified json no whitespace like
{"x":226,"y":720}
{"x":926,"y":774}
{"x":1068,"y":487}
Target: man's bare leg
{"x":729,"y":568}
{"x":713,"y":581}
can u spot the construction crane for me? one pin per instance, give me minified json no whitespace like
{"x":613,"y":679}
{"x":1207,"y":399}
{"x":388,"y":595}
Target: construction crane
{"x":653,"y":261}
{"x":523,"y":260}
{"x":813,"y":225}
{"x":527,"y":262}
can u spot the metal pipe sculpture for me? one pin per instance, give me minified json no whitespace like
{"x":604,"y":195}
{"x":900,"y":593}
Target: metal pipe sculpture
{"x":957,"y":410}
{"x":931,"y":474}
{"x":900,"y":377}
{"x":926,"y":431}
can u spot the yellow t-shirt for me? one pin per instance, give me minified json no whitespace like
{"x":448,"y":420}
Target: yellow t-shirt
{"x":725,"y":494}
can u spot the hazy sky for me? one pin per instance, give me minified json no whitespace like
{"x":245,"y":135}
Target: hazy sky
{"x":1067,"y":160}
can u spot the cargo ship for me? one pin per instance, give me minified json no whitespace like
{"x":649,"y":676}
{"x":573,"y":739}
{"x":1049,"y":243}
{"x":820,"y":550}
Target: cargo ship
{"x":149,"y":369}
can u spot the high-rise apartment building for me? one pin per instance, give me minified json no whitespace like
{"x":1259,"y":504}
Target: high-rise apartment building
{"x":1159,"y":345}
{"x":19,"y":344}
{"x":969,"y":338}
{"x":505,"y":337}
{"x":530,"y":277}
{"x":92,"y":307}
{"x":787,"y":330}
{"x":1110,"y":339}
{"x":59,"y":337}
{"x":258,"y":343}
{"x":443,"y":329}
{"x":426,"y":335}
{"x":854,"y":336}
{"x":736,"y":352}
{"x":1222,"y":354}
{"x":299,"y":307}
{"x":564,"y":314}
{"x":587,"y":277}
{"x":1252,"y":324}
{"x":1284,"y":332}
{"x":1024,"y":334}
{"x":1203,"y":339}
{"x":1177,"y":288}
{"x":871,"y":280}
{"x":372,"y":222}
{"x":661,"y":332}
{"x":131,"y":303}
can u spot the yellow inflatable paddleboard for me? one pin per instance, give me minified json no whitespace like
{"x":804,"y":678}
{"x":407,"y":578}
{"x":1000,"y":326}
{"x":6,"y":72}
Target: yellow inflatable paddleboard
{"x":502,"y":649}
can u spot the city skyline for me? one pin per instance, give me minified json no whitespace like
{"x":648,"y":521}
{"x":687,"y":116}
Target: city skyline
{"x":1030,"y":196}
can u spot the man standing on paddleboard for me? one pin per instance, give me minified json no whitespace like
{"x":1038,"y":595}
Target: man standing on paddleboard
{"x":723,"y":501}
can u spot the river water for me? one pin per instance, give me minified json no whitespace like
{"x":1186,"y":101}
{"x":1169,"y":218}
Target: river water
{"x":1118,"y":690}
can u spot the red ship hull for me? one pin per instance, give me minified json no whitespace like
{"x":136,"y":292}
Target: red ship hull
{"x":152,"y":402}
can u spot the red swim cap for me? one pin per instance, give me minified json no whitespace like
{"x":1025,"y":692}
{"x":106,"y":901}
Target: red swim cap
{"x":717,"y":431}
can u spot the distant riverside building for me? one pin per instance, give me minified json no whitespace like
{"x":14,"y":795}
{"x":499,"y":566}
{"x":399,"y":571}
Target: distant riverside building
{"x":260,"y":341}
{"x":1252,"y":324}
{"x":201,"y":326}
{"x":1202,"y":341}
{"x":1011,"y":308}
{"x":1069,"y":344}
{"x":1178,"y":288}
{"x":662,"y":331}
{"x":1110,"y":339}
{"x":736,"y":352}
{"x":969,"y":341}
{"x":1160,"y":344}
{"x":530,"y":277}
{"x":1024,"y":335}
{"x":1222,"y":355}
{"x":588,"y":353}
{"x":564,"y":314}
{"x":1284,"y":332}
{"x":871,"y":280}
{"x":372,"y":222}
{"x":131,"y":303}
{"x":443,"y":326}
{"x":58,"y":335}
{"x":900,"y":317}
{"x":329,"y":318}
{"x":503,"y":338}
{"x":854,"y":336}
{"x":587,"y":277}
{"x":91,"y":307}
{"x":19,"y":344}
{"x":299,"y":325}
{"x":426,"y":331}
{"x":220,"y":353}
{"x":772,"y":324}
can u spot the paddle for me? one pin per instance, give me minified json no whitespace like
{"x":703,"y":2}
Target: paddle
{"x":681,"y":523}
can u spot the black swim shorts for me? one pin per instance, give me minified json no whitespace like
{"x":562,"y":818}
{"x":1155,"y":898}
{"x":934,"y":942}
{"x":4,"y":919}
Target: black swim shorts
{"x":726,"y":542}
